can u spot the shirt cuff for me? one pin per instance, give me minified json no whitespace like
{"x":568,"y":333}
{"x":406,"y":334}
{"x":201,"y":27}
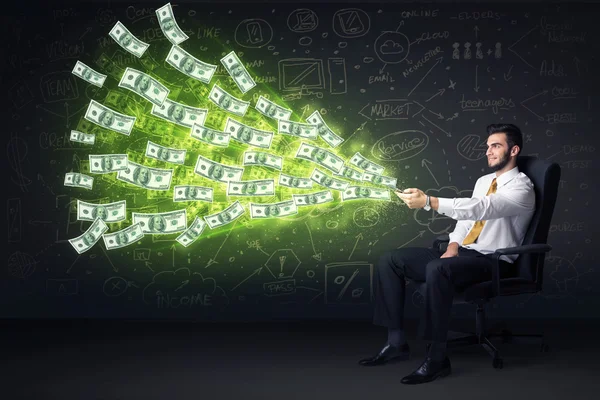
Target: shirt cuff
{"x":445,"y":206}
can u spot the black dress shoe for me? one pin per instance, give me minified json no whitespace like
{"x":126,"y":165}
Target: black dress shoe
{"x":388,"y":353}
{"x":428,"y":371}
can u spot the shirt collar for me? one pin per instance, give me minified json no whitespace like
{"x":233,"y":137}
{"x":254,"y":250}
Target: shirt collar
{"x":506,"y":177}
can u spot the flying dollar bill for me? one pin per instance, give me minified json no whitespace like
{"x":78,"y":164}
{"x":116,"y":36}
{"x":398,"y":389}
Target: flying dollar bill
{"x":146,"y":177}
{"x":272,"y":110}
{"x":216,"y":171}
{"x":90,"y":237}
{"x":311,"y":199}
{"x":295,"y":182}
{"x":324,"y":130}
{"x":245,"y":134}
{"x":227,"y":102}
{"x":144,"y":85}
{"x":297,"y":129}
{"x":273,"y":210}
{"x":109,"y":212}
{"x":325,"y":180}
{"x":85,"y":138}
{"x":192,"y":193}
{"x":127,"y":41}
{"x":380,"y":179}
{"x":167,"y":154}
{"x":124,"y":237}
{"x":108,"y":118}
{"x":228,"y":215}
{"x":180,"y":113}
{"x":88,"y":74}
{"x":260,"y":187}
{"x":262,"y":159}
{"x":350,"y":173}
{"x":107,"y":163}
{"x":161,"y":223}
{"x":168,"y":25}
{"x":75,"y":179}
{"x":238,"y":72}
{"x":320,"y":156}
{"x":361,"y":162}
{"x":210,"y":136}
{"x":182,"y":61}
{"x":191,"y":234}
{"x":361,"y":193}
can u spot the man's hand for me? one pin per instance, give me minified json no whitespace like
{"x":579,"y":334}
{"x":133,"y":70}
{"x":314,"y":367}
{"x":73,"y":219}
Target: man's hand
{"x":414,"y":198}
{"x":449,"y":253}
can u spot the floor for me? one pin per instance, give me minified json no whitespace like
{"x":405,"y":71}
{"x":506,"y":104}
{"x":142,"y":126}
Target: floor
{"x":128,"y":360}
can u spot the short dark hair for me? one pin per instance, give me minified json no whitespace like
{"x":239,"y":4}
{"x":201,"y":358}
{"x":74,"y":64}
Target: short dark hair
{"x":514,"y":137}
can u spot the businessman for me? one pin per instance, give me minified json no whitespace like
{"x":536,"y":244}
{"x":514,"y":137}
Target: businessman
{"x":496,"y":216}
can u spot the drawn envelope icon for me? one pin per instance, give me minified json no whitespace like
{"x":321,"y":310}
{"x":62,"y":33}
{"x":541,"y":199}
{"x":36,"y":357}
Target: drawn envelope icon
{"x":350,"y":22}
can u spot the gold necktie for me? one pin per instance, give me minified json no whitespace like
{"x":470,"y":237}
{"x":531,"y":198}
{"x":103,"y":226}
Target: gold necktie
{"x":476,"y":230}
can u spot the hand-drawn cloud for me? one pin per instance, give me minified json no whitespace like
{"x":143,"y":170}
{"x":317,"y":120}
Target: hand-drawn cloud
{"x":183,"y":289}
{"x":391,"y":47}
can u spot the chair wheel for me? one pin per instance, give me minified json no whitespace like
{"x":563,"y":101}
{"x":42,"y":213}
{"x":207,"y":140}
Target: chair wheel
{"x":544,"y":348}
{"x":506,"y":336}
{"x":498,"y":363}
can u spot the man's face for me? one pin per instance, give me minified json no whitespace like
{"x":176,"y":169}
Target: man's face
{"x":261,"y":158}
{"x":296,"y":129}
{"x":108,"y":164}
{"x":87,"y":74}
{"x":271,"y":110}
{"x":178,"y":113}
{"x":163,"y":154}
{"x":121,"y":238}
{"x":225,"y":101}
{"x":246,"y":134}
{"x":89,"y":238}
{"x":236,"y":70}
{"x":497,"y":152}
{"x":159,"y":224}
{"x":193,"y":192}
{"x":320,"y":155}
{"x":326,"y":181}
{"x":126,"y":39}
{"x":188,"y":64}
{"x":101,"y":213}
{"x":364,"y":192}
{"x":168,"y":25}
{"x":273,"y":210}
{"x":144,"y":176}
{"x":217,"y":172}
{"x":312,"y":199}
{"x":250,"y":188}
{"x":144,"y":83}
{"x":208,"y":135}
{"x":107,"y":119}
{"x":322,"y":129}
{"x":295,"y":182}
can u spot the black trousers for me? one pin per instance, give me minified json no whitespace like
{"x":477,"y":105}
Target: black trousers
{"x":443,"y":277}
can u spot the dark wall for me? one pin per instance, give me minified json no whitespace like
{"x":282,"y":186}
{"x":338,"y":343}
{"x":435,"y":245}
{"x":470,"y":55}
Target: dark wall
{"x":410,"y":86}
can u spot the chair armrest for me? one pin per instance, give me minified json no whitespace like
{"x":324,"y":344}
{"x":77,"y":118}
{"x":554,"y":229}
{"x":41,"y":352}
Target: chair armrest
{"x":445,"y":238}
{"x":528,"y":248}
{"x":525,"y":249}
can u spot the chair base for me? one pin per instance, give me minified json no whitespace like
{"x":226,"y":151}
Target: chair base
{"x":460,"y":339}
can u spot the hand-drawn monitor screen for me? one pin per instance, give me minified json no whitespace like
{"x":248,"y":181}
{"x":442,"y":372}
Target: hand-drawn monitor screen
{"x":301,"y":73}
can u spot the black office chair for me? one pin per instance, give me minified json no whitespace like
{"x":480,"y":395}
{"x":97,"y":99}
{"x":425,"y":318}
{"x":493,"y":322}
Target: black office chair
{"x":529,"y":265}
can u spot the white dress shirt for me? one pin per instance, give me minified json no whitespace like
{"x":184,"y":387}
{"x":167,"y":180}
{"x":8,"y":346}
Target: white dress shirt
{"x":507,"y":212}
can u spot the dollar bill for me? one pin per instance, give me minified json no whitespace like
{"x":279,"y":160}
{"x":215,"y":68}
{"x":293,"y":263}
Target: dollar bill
{"x":230,"y":214}
{"x":350,"y":173}
{"x":184,"y":62}
{"x":75,"y":179}
{"x":238,"y":72}
{"x":168,"y":25}
{"x":295,"y":182}
{"x":298,"y":129}
{"x":127,"y":41}
{"x":144,"y":85}
{"x":109,"y":212}
{"x":107,"y":163}
{"x":245,"y":134}
{"x":273,"y":210}
{"x":180,"y":113}
{"x":88,"y":74}
{"x":85,"y":138}
{"x":362,"y":192}
{"x":227,"y":102}
{"x":320,"y":156}
{"x":324,"y":130}
{"x":124,"y":237}
{"x":325,"y":180}
{"x":146,"y":177}
{"x":167,"y":154}
{"x":192,"y":193}
{"x":90,"y":237}
{"x":361,"y":162}
{"x":210,"y":136}
{"x":261,"y":187}
{"x":108,"y":118}
{"x":216,"y":171}
{"x":272,"y":110}
{"x":263,"y":159}
{"x":161,"y":223}
{"x":311,"y":199}
{"x":191,"y":234}
{"x":380,"y":179}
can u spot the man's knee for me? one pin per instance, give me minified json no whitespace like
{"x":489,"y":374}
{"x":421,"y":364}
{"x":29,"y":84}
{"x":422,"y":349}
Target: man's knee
{"x":436,"y":269}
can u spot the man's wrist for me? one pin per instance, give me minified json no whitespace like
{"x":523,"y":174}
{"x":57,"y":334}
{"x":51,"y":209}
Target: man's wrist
{"x":434,"y":202}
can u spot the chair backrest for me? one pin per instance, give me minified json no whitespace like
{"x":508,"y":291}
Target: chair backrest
{"x":545,"y":177}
